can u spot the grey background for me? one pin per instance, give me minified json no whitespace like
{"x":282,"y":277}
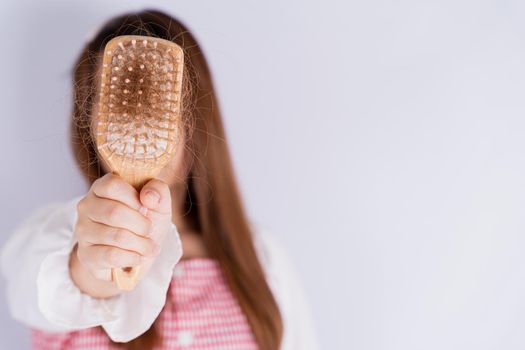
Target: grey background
{"x":382,"y":141}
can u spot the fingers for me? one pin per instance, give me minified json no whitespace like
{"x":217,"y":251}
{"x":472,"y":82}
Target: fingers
{"x":99,"y":234}
{"x":114,"y":187}
{"x":105,"y":257}
{"x":155,"y":195}
{"x":113,"y":213}
{"x":119,"y":227}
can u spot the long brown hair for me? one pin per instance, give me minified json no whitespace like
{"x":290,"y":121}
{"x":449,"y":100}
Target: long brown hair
{"x":213,"y":204}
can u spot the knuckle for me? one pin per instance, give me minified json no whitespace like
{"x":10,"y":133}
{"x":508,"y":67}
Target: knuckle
{"x":113,"y":213}
{"x":107,"y":177}
{"x":148,"y":227}
{"x":112,"y":185}
{"x":97,"y":184}
{"x":82,"y":256}
{"x":81,"y":205}
{"x":119,"y":236}
{"x":97,"y":181}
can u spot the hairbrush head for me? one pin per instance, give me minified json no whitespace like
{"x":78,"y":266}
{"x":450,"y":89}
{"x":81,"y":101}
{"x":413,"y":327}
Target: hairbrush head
{"x":137,"y":113}
{"x":136,"y":117}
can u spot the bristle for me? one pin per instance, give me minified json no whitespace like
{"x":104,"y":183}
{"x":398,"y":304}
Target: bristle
{"x":140,"y":123}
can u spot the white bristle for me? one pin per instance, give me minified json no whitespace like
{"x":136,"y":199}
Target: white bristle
{"x":127,"y":80}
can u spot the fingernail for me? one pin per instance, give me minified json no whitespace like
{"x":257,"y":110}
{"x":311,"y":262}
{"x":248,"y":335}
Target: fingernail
{"x":143,"y":210}
{"x":153,"y":195}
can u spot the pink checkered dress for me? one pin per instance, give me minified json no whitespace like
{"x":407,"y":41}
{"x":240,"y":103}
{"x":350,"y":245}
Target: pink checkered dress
{"x":200,"y":313}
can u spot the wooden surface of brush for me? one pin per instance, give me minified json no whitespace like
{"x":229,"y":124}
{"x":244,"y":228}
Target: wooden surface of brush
{"x":137,"y":114}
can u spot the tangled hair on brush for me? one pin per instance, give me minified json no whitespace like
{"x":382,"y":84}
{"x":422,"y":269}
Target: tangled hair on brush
{"x":213,"y":204}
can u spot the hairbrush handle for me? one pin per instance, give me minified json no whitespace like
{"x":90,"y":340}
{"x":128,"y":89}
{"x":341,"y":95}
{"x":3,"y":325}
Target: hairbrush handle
{"x":126,"y":278}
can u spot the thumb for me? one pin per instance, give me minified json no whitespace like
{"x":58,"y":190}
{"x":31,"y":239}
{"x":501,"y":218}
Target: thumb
{"x":155,"y":195}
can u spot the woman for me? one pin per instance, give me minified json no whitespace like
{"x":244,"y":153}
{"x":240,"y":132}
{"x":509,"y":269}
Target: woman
{"x":212,"y":281}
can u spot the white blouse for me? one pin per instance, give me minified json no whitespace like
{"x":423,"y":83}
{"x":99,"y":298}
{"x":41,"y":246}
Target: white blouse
{"x":42,"y":295}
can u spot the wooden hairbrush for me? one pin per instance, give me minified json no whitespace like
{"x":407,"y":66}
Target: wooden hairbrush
{"x":137,"y":114}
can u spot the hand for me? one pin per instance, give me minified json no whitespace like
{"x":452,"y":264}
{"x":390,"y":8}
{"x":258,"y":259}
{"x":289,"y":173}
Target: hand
{"x":119,"y":227}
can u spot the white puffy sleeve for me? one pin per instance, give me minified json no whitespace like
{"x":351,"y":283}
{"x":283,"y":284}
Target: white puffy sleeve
{"x":41,"y":293}
{"x":284,"y":281}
